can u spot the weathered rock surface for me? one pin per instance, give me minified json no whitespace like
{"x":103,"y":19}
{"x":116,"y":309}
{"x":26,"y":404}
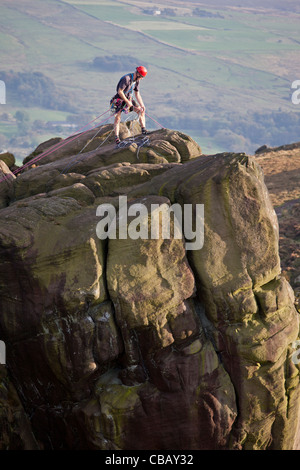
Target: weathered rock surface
{"x":6,"y":184}
{"x":141,"y":343}
{"x":16,"y":432}
{"x":8,"y":158}
{"x":281,"y":168}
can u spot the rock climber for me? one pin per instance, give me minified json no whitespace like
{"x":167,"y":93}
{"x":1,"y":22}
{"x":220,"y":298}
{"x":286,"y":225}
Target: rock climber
{"x":122,"y":100}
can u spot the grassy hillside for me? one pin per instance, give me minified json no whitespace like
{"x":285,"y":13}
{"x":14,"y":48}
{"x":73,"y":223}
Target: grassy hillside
{"x":222,"y":75}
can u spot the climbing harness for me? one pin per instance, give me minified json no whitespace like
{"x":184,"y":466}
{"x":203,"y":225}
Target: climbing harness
{"x":117,"y":104}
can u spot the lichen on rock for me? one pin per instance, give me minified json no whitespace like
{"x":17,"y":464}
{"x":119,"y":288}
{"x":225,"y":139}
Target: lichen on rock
{"x":123,"y":337}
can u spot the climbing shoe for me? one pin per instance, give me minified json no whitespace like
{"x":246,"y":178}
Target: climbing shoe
{"x":144,"y":131}
{"x":117,"y":141}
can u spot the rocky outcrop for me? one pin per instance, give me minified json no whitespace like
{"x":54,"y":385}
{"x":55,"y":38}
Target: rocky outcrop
{"x":281,"y":166}
{"x":265,"y":149}
{"x":6,"y":184}
{"x":8,"y":158}
{"x":16,"y":432}
{"x":117,"y":337}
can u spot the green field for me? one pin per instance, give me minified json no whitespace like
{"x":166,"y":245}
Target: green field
{"x":203,"y":71}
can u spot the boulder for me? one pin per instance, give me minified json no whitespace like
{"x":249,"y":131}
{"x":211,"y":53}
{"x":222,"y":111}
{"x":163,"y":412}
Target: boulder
{"x":7,"y":189}
{"x":16,"y":431}
{"x":8,"y":158}
{"x":127,"y":313}
{"x":98,"y":144}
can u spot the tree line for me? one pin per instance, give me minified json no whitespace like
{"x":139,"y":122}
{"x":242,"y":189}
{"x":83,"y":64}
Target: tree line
{"x":242,"y":132}
{"x":115,"y":63}
{"x":35,"y":89}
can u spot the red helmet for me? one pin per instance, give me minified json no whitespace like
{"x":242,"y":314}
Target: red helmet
{"x":142,"y":70}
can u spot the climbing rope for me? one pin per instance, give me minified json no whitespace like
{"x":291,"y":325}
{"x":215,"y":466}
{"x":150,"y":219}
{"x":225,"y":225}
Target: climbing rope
{"x":156,"y":122}
{"x":140,"y":141}
{"x":73,"y":163}
{"x":75,"y":160}
{"x":57,"y":146}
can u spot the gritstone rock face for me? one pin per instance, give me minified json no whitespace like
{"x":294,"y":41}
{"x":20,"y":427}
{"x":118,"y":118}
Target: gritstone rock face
{"x":140,"y":344}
